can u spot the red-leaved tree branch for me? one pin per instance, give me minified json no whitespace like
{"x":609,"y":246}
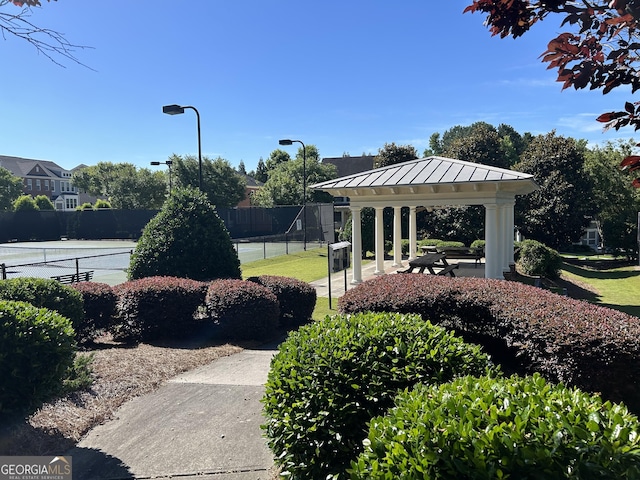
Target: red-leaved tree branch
{"x":601,"y":52}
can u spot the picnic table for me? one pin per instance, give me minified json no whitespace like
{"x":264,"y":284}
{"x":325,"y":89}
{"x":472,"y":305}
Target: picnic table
{"x":431,"y":261}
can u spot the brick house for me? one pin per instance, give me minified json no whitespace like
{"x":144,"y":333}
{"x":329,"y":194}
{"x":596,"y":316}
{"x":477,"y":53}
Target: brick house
{"x":42,"y":177}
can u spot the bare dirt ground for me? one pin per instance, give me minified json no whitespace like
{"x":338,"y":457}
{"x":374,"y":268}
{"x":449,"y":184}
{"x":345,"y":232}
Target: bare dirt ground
{"x":120,"y":373}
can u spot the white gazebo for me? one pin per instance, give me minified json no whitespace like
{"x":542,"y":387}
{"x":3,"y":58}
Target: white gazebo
{"x":433,"y":182}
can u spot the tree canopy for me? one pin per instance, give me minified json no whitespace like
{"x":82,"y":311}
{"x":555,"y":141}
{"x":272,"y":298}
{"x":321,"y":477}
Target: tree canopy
{"x":392,"y":154}
{"x":10,"y":189}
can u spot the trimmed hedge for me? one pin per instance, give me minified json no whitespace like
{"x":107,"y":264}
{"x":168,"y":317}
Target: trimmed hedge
{"x":297,"y":299}
{"x":524,"y":328}
{"x":156,"y":307}
{"x":99,"y":308}
{"x":37,"y":347}
{"x":486,"y":428}
{"x":45,"y":293}
{"x":535,"y":258}
{"x":331,"y":377}
{"x":243,"y":310}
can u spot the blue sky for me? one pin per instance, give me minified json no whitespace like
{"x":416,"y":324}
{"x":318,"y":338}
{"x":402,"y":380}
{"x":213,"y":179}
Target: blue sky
{"x":346,"y":76}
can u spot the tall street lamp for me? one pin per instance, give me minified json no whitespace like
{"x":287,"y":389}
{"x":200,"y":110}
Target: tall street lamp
{"x":304,"y":186}
{"x":177,"y":110}
{"x":168,"y":163}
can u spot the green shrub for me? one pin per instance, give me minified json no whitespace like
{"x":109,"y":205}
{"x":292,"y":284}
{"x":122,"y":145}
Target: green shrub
{"x":186,"y":239}
{"x":487,"y":428}
{"x":25,"y":203}
{"x":478,"y":244}
{"x":45,"y":293}
{"x":522,"y":327}
{"x":243,"y":310}
{"x":404,"y":243}
{"x":157,"y":307}
{"x":37,"y":348}
{"x":44,"y":203}
{"x":331,"y":377}
{"x":535,"y":258}
{"x":99,"y":308}
{"x":297,"y":299}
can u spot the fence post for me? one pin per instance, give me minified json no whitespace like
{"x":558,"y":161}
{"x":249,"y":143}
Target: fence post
{"x":77,"y":270}
{"x":4,"y":271}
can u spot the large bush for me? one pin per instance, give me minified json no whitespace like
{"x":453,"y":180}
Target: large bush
{"x":99,"y":308}
{"x":37,"y":347}
{"x":297,"y":299}
{"x":157,"y":307}
{"x":535,"y":258}
{"x":45,"y":293}
{"x":243,"y":310}
{"x":524,"y":328}
{"x":331,"y":377}
{"x":488,"y":428}
{"x":185,"y":239}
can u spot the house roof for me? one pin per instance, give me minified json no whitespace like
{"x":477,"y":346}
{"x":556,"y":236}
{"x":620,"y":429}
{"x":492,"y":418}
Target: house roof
{"x":350,"y":165}
{"x":22,"y":167}
{"x":431,"y":180}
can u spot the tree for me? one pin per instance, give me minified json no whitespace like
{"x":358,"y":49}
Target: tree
{"x":242,"y":170}
{"x":617,"y":202}
{"x":557,"y":213}
{"x":10,"y":189}
{"x":44,"y":203}
{"x":261,"y":171}
{"x":284,"y":185}
{"x":602,"y":52}
{"x":276,"y":158}
{"x":126,"y":186}
{"x":481,"y":144}
{"x":50,"y":43}
{"x":186,"y":239}
{"x":222,"y":184}
{"x":392,"y":154}
{"x":25,"y":203}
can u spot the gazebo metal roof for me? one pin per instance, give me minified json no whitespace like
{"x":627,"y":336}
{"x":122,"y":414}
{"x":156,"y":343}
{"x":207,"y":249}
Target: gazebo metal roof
{"x":428,"y":176}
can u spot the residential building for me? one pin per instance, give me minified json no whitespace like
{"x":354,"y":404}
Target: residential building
{"x":42,"y":177}
{"x":250,"y":190}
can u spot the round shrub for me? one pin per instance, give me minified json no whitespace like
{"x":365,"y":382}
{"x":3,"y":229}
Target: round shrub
{"x":99,"y":308}
{"x":486,"y":428}
{"x":37,"y":348}
{"x":535,"y":258}
{"x":243,"y":310}
{"x":297,"y":299}
{"x":478,"y":244}
{"x":45,"y":293}
{"x":186,"y":239}
{"x":331,"y":377}
{"x":157,"y":307}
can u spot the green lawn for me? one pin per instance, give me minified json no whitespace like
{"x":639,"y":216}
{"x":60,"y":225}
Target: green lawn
{"x":617,"y":288}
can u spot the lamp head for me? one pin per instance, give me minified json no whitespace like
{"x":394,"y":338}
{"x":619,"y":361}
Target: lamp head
{"x":172,"y":109}
{"x":155,"y":163}
{"x":169,"y":162}
{"x":285,"y":142}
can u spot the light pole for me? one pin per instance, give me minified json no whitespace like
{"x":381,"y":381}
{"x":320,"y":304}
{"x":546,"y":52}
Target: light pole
{"x":304,"y":186}
{"x":168,"y":163}
{"x":177,"y":110}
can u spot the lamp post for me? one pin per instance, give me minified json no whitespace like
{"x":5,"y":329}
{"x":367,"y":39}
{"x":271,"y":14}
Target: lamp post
{"x":304,"y":186}
{"x":168,"y":163}
{"x":177,"y":110}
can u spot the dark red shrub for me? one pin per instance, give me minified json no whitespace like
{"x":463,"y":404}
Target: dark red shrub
{"x":591,"y":347}
{"x":297,"y":298}
{"x":244,"y":310}
{"x":99,"y":308}
{"x":157,"y":307}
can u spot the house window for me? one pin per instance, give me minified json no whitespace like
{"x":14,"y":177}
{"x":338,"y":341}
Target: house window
{"x":71,"y":203}
{"x":46,"y":185}
{"x":38,"y":185}
{"x":29,"y":184}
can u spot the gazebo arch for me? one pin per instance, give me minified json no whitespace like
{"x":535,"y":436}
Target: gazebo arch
{"x":433,"y":182}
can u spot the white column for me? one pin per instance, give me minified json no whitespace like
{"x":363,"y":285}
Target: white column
{"x":379,"y":241}
{"x":397,"y":236}
{"x":502,"y":237}
{"x":356,"y":245}
{"x":413,"y":244}
{"x":510,"y":231}
{"x":493,"y":261}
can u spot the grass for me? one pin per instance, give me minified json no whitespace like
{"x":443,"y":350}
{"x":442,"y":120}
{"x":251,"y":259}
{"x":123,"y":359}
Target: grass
{"x":307,"y":266}
{"x":616,"y":287}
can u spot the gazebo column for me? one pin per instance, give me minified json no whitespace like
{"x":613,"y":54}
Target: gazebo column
{"x":356,"y":245}
{"x":493,"y":260}
{"x":397,"y":236}
{"x":509,"y":232}
{"x":379,"y":241}
{"x":413,"y":244}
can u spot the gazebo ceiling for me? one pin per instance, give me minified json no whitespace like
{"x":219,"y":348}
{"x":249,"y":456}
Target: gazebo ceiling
{"x":431,"y":181}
